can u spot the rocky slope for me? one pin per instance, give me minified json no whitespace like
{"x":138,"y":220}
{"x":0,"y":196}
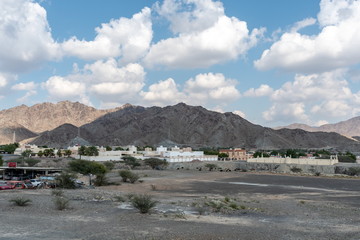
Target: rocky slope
{"x":47,"y":116}
{"x":191,"y":126}
{"x":348,"y":128}
{"x":8,"y":129}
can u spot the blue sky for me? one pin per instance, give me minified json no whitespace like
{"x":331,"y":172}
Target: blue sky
{"x":272,"y":62}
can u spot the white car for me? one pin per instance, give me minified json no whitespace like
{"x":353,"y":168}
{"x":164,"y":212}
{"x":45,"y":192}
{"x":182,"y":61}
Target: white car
{"x":36,"y":182}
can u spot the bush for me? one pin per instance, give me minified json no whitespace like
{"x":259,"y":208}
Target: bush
{"x":65,"y":180}
{"x":296,"y":170}
{"x":109,"y":165}
{"x":57,"y":192}
{"x":131,"y":162}
{"x":101,"y":180}
{"x":20,"y":201}
{"x":143,"y":203}
{"x":61,"y":203}
{"x":133,"y":177}
{"x":32,"y":162}
{"x":211,"y":166}
{"x":125,"y":174}
{"x":353,"y":171}
{"x":156,"y":163}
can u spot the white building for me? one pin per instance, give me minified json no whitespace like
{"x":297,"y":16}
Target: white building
{"x":179,"y":156}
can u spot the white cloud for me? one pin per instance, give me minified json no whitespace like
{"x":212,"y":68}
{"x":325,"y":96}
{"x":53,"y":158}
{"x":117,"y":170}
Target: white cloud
{"x":24,"y":86}
{"x":263,"y":90}
{"x":25,"y":39}
{"x":320,"y":123}
{"x":204,"y":36}
{"x":163,"y":93}
{"x":61,"y":88}
{"x":3,"y":81}
{"x":312,"y":97}
{"x":105,"y":80}
{"x":211,"y":87}
{"x":336,"y":46}
{"x":123,"y":37}
{"x":286,"y":112}
{"x":302,"y":24}
{"x":205,"y":89}
{"x":25,"y":98}
{"x":240,"y":113}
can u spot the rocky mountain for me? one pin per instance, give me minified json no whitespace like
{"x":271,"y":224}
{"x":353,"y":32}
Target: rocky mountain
{"x":8,"y":129}
{"x":348,"y":128}
{"x":185,"y":125}
{"x":47,"y":116}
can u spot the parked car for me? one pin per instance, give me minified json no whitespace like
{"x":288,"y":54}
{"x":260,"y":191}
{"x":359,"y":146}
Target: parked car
{"x":36,"y":182}
{"x":17,"y":184}
{"x":4,"y":186}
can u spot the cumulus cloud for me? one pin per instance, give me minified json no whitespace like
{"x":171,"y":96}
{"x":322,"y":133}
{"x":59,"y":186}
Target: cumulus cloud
{"x":212,"y":90}
{"x":106,"y":80}
{"x":325,"y":95}
{"x":240,"y":113}
{"x":337,"y":45}
{"x":24,"y":86}
{"x":211,"y":87}
{"x":61,"y":88}
{"x":25,"y":39}
{"x":123,"y":37}
{"x":204,"y":36}
{"x":163,"y":93}
{"x":263,"y":90}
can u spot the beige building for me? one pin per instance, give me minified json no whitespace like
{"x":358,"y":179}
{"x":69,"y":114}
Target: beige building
{"x":235,"y":154}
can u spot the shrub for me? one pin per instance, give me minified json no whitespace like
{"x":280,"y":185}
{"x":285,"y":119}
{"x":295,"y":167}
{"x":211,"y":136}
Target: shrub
{"x":125,"y":174}
{"x":211,"y":166}
{"x":143,"y":203}
{"x":61,"y":203}
{"x":296,"y":170}
{"x":133,"y":177}
{"x":119,"y":198}
{"x":20,"y":201}
{"x":153,"y":187}
{"x":156,"y":163}
{"x":131,"y":162}
{"x":65,"y":180}
{"x":353,"y":171}
{"x":109,"y":165}
{"x":101,"y":180}
{"x":32,"y":162}
{"x":57,"y":192}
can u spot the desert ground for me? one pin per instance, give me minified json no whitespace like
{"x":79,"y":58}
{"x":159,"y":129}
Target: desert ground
{"x":192,"y":205}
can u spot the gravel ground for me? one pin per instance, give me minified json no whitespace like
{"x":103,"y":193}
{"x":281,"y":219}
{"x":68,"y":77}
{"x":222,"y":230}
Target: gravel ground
{"x":192,"y":205}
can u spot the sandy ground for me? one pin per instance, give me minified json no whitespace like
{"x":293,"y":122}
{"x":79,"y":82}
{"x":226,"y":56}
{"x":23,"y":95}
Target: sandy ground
{"x":192,"y":205}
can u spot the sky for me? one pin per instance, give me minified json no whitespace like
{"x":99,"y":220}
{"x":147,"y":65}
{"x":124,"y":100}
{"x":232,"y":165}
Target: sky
{"x":272,"y":62}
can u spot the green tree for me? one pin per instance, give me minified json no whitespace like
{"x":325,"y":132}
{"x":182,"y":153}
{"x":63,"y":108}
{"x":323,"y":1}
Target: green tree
{"x":108,"y":148}
{"x":131,"y":161}
{"x":1,"y":160}
{"x":49,"y":152}
{"x":59,"y":153}
{"x":67,"y":153}
{"x":9,"y":148}
{"x":26,"y":153}
{"x":260,"y":154}
{"x":32,"y":162}
{"x":82,"y":151}
{"x":87,"y":168}
{"x":109,"y":165}
{"x":119,"y":149}
{"x":40,"y":153}
{"x":156,"y":163}
{"x":223,"y":155}
{"x":92,"y":151}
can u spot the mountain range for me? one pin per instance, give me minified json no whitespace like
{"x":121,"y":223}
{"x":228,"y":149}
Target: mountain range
{"x":67,"y":123}
{"x":349,"y":128}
